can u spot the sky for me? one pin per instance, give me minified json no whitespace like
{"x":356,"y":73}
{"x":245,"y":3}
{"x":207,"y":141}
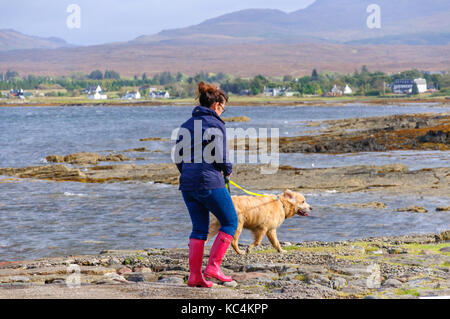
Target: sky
{"x":103,"y":21}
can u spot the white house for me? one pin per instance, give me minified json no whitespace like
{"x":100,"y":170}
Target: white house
{"x":421,"y":85}
{"x":289,"y":92}
{"x":92,"y":90}
{"x":279,"y":92}
{"x":132,"y":96}
{"x":271,"y":92}
{"x":336,"y":91}
{"x":402,"y":86}
{"x":406,"y":86}
{"x":158,"y":94}
{"x":97,"y":96}
{"x":348,"y":90}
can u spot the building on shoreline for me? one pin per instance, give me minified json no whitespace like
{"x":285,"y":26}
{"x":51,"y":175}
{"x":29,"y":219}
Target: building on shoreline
{"x":348,"y":90}
{"x":132,"y":96}
{"x":279,"y":92}
{"x":16,"y":93}
{"x":97,"y":96}
{"x":156,"y":94}
{"x":407,"y":86}
{"x":93,"y":89}
{"x":421,"y":85}
{"x":339,"y":91}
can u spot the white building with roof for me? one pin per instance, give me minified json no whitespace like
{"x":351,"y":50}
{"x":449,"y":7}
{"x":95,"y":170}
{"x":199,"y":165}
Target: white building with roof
{"x":132,"y":96}
{"x":421,"y":85}
{"x":406,"y":86}
{"x":97,"y":96}
{"x":348,"y":90}
{"x":93,"y":89}
{"x":159,"y":94}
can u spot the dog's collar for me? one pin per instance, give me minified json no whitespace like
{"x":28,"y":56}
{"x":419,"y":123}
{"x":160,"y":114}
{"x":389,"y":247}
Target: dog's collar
{"x":284,"y":208}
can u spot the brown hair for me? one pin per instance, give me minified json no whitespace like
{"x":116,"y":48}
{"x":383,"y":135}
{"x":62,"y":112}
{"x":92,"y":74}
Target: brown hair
{"x":208,"y":94}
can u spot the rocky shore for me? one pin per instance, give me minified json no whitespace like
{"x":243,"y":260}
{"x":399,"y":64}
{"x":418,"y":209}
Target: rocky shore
{"x":375,"y":134}
{"x":392,"y":178}
{"x":385,"y":267}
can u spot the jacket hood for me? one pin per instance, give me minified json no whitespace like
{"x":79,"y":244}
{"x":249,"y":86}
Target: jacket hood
{"x":202,"y":111}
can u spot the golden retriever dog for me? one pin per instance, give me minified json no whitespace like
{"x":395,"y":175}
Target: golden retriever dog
{"x":263,"y":215}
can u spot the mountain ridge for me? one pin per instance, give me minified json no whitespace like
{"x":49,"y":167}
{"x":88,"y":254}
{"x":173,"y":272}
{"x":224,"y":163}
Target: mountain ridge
{"x":336,"y":21}
{"x":11,"y":39}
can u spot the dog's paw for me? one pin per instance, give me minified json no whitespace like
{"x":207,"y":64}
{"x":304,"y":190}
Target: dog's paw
{"x":282,"y":251}
{"x":241,"y":252}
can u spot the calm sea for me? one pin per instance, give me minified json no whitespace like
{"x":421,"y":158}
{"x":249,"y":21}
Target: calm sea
{"x":42,"y":218}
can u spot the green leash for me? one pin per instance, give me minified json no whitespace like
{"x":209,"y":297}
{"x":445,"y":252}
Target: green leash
{"x":228,"y":182}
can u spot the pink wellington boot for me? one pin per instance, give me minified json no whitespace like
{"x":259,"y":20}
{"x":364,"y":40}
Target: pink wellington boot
{"x":218,"y":250}
{"x":196,"y":278}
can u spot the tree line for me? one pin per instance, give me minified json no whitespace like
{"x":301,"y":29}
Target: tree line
{"x":362,"y":82}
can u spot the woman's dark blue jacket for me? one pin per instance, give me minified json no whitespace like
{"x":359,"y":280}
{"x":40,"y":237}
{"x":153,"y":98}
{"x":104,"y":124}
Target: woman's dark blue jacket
{"x":203,"y":175}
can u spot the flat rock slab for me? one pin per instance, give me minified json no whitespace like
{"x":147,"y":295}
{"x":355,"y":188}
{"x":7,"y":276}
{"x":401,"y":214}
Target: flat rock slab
{"x":391,"y":178}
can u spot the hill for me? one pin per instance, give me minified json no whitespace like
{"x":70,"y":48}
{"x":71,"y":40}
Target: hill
{"x":335,"y":21}
{"x":237,"y":59}
{"x":14,"y":40}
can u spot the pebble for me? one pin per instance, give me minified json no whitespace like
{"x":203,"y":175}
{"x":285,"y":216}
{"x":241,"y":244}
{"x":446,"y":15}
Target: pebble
{"x":375,"y":252}
{"x":141,"y":269}
{"x":135,"y":277}
{"x":396,"y":250}
{"x":260,"y":267}
{"x":106,"y":282}
{"x":278,"y":291}
{"x":246,"y":276}
{"x":358,"y":248}
{"x":172,"y":280}
{"x":55,"y":281}
{"x":124,"y":270}
{"x":338,"y":283}
{"x":417,"y":283}
{"x":413,"y":209}
{"x":392,"y":283}
{"x":115,"y":277}
{"x":445,"y":249}
{"x":231,"y":284}
{"x":19,"y":279}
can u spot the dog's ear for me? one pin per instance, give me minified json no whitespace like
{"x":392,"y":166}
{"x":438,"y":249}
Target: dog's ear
{"x":290,"y":196}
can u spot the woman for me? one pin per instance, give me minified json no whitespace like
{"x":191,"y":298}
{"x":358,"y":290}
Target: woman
{"x":203,"y":187}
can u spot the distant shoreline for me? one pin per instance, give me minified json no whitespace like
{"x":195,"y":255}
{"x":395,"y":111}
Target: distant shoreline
{"x":234,"y":101}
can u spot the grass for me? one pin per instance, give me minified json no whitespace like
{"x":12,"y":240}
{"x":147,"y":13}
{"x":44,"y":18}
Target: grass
{"x":324,"y":249}
{"x":416,"y":249}
{"x":401,"y":292}
{"x":300,"y":277}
